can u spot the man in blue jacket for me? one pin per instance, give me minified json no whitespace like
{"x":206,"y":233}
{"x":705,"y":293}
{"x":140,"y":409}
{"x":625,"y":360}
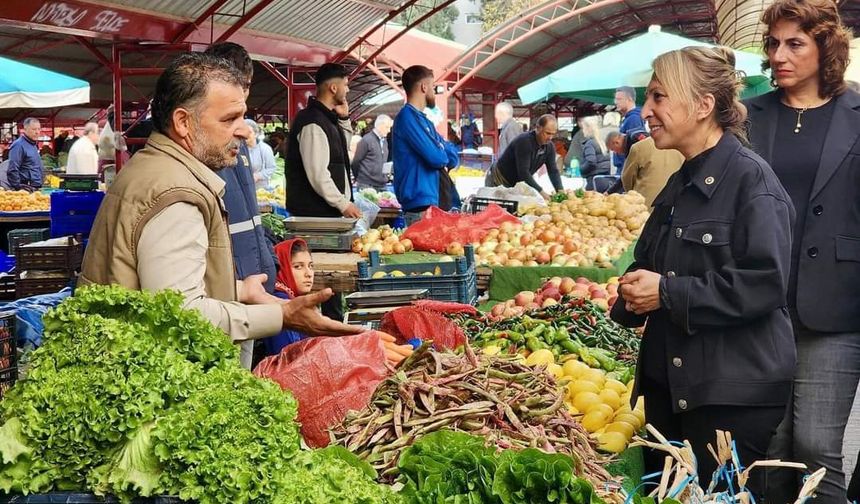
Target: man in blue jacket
{"x":631,"y":118}
{"x":25,"y":164}
{"x":419,"y":152}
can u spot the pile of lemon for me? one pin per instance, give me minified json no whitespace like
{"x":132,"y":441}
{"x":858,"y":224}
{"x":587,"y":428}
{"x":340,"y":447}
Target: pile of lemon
{"x":601,"y":404}
{"x":276,"y":196}
{"x":465,"y":171}
{"x":16,"y":201}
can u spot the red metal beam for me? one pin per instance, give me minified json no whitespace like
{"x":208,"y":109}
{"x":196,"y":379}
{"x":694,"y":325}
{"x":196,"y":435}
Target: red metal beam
{"x":244,"y":20}
{"x":94,"y":50}
{"x":192,"y":26}
{"x":437,"y":8}
{"x":516,"y":40}
{"x":561,"y":54}
{"x":362,"y":39}
{"x":44,"y":47}
{"x":280,"y":77}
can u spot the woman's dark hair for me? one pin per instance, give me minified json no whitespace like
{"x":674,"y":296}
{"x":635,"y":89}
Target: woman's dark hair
{"x":299,"y":246}
{"x":820,"y":20}
{"x":185,"y":82}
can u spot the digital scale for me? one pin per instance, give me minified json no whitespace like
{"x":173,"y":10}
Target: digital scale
{"x":333,"y":234}
{"x":75,"y":182}
{"x":367,"y":308}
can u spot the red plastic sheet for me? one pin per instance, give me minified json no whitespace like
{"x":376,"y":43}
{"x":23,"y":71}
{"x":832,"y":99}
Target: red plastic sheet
{"x":439,"y":228}
{"x":414,"y":322}
{"x":447,"y":307}
{"x":328,"y":377}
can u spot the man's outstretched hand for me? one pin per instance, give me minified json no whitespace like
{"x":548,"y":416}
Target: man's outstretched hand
{"x":301,"y":314}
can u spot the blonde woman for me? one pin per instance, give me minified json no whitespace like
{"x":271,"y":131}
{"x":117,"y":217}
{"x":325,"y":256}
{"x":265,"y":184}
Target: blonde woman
{"x":711,"y":269}
{"x":595,"y":155}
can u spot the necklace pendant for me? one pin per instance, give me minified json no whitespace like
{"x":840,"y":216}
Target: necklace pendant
{"x":797,"y":129}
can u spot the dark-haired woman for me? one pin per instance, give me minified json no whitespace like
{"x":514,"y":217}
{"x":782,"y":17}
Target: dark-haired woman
{"x":808,"y":130}
{"x":710,"y":275}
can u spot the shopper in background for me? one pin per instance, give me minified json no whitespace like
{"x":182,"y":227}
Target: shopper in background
{"x":371,"y":154}
{"x":595,"y":156}
{"x":295,"y":278}
{"x":711,"y":270}
{"x":631,"y":117}
{"x":526,"y":155}
{"x":162,"y":223}
{"x":808,"y":130}
{"x":252,"y":252}
{"x":261,"y":156}
{"x":25,"y":164}
{"x":646,"y":168}
{"x":319,"y":178}
{"x":419,"y":152}
{"x":509,"y":128}
{"x":574,"y":148}
{"x":83,"y":156}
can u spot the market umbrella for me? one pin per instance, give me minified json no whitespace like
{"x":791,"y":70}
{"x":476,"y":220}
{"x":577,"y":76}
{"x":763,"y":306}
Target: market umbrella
{"x":595,"y":78}
{"x":27,"y":86}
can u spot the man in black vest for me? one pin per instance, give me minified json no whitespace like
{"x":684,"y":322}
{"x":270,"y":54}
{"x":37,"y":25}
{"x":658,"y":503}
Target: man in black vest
{"x":319,"y":179}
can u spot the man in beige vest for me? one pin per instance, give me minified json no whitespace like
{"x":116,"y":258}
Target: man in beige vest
{"x":163,"y":225}
{"x":646,"y":168}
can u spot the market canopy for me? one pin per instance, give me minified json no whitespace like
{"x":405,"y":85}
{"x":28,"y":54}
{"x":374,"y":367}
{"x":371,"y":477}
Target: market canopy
{"x":28,"y":86}
{"x":595,"y":78}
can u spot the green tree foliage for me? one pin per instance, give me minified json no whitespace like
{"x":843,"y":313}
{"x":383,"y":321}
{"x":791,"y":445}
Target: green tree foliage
{"x":438,"y":24}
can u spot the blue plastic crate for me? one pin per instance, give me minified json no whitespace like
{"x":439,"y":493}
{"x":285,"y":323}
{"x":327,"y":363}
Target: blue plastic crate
{"x":447,"y":281}
{"x":280,"y":211}
{"x":74,"y":212}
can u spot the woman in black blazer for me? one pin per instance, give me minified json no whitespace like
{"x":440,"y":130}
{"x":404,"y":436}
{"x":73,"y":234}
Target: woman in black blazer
{"x":710,"y":275}
{"x":808,"y":130}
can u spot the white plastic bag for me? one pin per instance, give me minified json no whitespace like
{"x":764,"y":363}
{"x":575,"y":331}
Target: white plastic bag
{"x":369,"y":211}
{"x":522,"y":193}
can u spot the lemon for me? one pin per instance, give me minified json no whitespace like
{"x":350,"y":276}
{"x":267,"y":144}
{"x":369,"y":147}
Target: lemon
{"x":379,"y":274}
{"x":604,"y":408}
{"x":594,"y":375}
{"x":398,"y":274}
{"x":555,"y":370}
{"x":610,"y":398}
{"x":491,"y":350}
{"x":582,"y":386}
{"x":542,"y":357}
{"x":630,"y":385}
{"x":624,"y":428}
{"x":584,"y":400}
{"x":640,"y":403}
{"x":640,"y":414}
{"x":594,"y":421}
{"x":574,"y":368}
{"x":613,"y":442}
{"x":629,"y":418}
{"x":616,"y":386}
{"x":572,"y":410}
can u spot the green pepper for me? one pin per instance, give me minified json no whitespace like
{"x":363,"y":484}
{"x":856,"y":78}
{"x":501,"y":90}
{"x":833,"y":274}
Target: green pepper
{"x":515,"y":336}
{"x":571,"y":346}
{"x":587,"y":358}
{"x":534,"y":344}
{"x":607,"y":362}
{"x":561,"y":334}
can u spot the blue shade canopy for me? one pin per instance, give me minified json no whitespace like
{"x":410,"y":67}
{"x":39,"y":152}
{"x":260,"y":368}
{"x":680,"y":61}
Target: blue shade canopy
{"x":595,"y":78}
{"x":27,"y":86}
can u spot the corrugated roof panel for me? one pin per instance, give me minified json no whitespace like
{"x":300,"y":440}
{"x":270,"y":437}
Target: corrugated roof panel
{"x":188,"y":9}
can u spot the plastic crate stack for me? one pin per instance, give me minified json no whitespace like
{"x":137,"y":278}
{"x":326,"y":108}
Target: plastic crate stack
{"x":44,"y":268}
{"x":447,"y":281}
{"x":8,"y":352}
{"x":16,"y":239}
{"x":73,"y":212}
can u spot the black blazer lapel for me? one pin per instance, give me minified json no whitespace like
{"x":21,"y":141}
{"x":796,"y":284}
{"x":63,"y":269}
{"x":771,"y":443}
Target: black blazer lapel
{"x":841,"y":136}
{"x":764,"y":112}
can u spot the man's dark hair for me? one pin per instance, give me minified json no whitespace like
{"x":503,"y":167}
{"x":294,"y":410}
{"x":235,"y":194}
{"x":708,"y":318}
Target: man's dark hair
{"x":235,"y":54}
{"x":184,"y":84}
{"x":546,"y":119}
{"x":413,"y":75}
{"x":628,"y":91}
{"x":328,"y":72}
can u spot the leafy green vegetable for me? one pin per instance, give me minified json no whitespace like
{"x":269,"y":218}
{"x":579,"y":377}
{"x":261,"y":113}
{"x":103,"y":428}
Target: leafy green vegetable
{"x":227,"y":440}
{"x":134,"y":471}
{"x":534,"y":476}
{"x":275,"y":224}
{"x":448,"y":466}
{"x":331,"y":475}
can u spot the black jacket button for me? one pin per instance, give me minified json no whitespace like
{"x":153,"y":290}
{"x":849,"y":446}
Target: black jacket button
{"x":818,"y":210}
{"x":812,"y":252}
